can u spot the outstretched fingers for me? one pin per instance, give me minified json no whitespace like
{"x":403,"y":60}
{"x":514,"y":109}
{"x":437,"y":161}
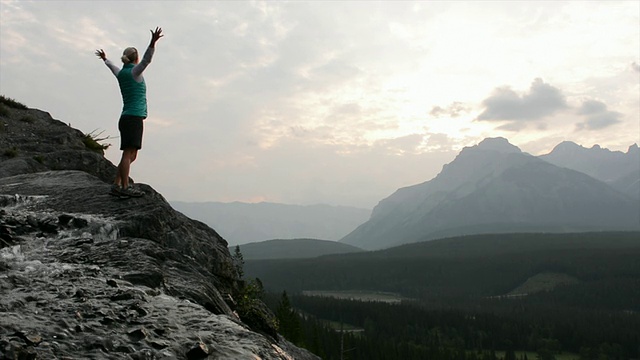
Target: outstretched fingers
{"x":157,"y":34}
{"x":101,"y":54}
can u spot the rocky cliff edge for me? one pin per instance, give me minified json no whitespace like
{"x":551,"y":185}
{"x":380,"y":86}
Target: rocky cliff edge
{"x":85,"y":275}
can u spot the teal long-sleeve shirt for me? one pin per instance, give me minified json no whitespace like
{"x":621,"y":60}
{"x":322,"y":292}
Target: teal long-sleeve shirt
{"x":132,"y":85}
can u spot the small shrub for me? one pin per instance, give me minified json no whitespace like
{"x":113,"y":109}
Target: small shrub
{"x":4,"y":111}
{"x":12,"y":103}
{"x":13,"y":152}
{"x":39,"y":158}
{"x":92,"y":142}
{"x":251,"y":308}
{"x":28,"y":119}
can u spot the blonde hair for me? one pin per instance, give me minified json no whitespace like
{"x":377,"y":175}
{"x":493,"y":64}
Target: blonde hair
{"x":129,"y":55}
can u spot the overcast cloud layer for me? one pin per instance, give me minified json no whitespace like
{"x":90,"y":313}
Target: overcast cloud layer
{"x":330,"y":102}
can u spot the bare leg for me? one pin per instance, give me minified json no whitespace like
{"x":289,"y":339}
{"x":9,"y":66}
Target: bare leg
{"x":122,"y":177}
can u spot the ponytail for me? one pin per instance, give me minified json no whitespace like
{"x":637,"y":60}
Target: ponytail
{"x":129,"y":55}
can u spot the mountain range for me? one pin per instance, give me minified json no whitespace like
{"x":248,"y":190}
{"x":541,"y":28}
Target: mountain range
{"x":294,"y":249}
{"x":241,"y":223}
{"x":618,"y":169}
{"x":494,"y":187}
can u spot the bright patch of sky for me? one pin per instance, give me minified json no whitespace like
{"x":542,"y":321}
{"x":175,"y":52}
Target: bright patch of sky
{"x":330,"y":102}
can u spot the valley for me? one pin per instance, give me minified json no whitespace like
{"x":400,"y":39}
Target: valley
{"x":501,"y":296}
{"x":502,"y":255}
{"x":358,"y":295}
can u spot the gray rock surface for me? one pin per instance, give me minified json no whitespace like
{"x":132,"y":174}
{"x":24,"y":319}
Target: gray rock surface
{"x":185,"y":246}
{"x":32,"y":141}
{"x":85,"y":275}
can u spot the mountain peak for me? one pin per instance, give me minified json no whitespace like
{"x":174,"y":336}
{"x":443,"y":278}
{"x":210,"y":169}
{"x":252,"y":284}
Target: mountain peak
{"x":499,"y":144}
{"x":567,"y":145}
{"x":495,"y":187}
{"x":615,"y":168}
{"x":566,"y":148}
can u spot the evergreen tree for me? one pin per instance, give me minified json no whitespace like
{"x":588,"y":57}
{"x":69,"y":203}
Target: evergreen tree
{"x":289,"y":323}
{"x":238,"y":261}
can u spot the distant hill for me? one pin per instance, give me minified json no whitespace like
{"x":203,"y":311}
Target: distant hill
{"x":241,"y":223}
{"x":494,"y":187}
{"x":293,"y":249}
{"x":600,"y":268}
{"x":618,"y":169}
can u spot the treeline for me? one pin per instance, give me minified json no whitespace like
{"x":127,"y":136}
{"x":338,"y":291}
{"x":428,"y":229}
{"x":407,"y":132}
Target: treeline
{"x":461,"y":270}
{"x":412,"y":331}
{"x":460,"y":309}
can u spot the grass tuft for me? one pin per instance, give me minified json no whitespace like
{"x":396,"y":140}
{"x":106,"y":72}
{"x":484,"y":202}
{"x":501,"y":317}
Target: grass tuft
{"x":93,"y":141}
{"x":28,"y":119}
{"x":13,"y":152}
{"x":12,"y":103}
{"x":4,"y":110}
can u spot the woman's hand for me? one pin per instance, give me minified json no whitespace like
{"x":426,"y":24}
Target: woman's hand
{"x":100,"y":53}
{"x":155,"y":36}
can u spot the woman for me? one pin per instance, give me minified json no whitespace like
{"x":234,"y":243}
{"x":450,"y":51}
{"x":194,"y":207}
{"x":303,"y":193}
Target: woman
{"x":134,"y":109}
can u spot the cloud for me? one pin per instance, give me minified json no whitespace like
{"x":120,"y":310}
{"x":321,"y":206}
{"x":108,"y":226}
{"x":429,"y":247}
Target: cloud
{"x":307,"y":102}
{"x":591,"y":107}
{"x":401,"y":145}
{"x":440,"y":142}
{"x":541,"y":101}
{"x":344,"y":174}
{"x":513,"y":126}
{"x":453,"y":110}
{"x":597,"y":116}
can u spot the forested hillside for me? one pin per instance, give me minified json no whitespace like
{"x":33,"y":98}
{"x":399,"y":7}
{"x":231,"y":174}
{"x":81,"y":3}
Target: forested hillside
{"x":517,"y":296}
{"x":467,"y":268}
{"x":510,"y":329}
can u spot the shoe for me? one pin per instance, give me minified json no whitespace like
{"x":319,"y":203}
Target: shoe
{"x":131,"y":192}
{"x":117,"y":191}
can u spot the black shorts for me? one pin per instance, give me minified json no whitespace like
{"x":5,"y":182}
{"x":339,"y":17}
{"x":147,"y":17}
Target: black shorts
{"x":130,"y":132}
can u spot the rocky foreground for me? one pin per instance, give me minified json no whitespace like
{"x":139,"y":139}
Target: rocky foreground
{"x":84,"y":275}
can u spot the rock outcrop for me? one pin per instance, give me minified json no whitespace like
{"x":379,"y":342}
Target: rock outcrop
{"x":85,"y":275}
{"x":32,"y":141}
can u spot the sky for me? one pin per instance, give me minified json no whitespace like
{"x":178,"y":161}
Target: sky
{"x":329,"y":102}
